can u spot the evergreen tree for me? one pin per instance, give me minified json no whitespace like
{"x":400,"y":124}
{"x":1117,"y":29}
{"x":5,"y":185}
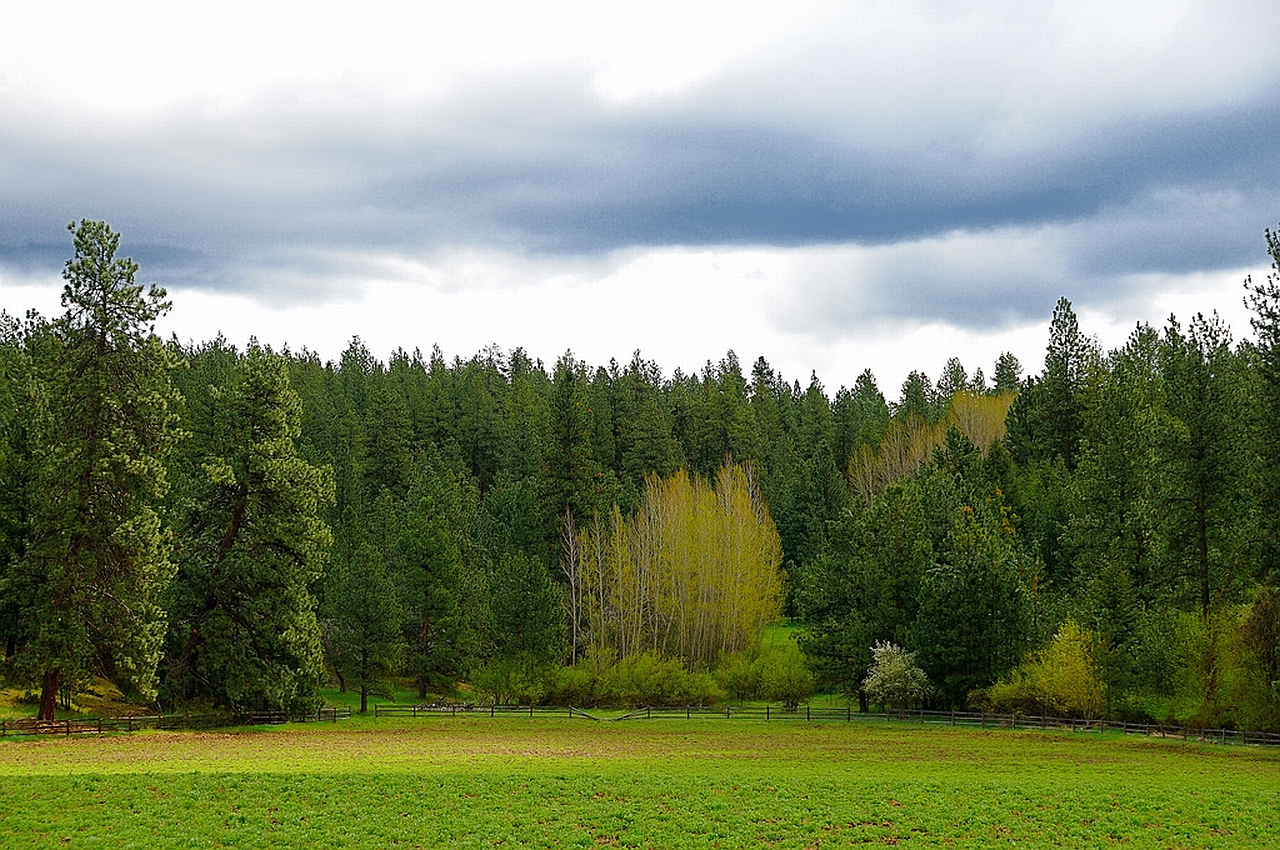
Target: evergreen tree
{"x":1201,"y":461}
{"x":1063,"y":399}
{"x":1116,"y":517}
{"x":429,"y":566}
{"x":480,"y":391}
{"x":572,"y":479}
{"x":1264,"y":298}
{"x":645,"y":442}
{"x":244,"y":616}
{"x":366,"y":625}
{"x":724,"y":427}
{"x":1008,"y":376}
{"x":98,"y":559}
{"x":954,"y":379}
{"x":917,"y":400}
{"x":527,"y":615}
{"x":865,"y":587}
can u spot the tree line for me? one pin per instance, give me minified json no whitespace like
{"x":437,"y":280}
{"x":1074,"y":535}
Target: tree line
{"x":204,"y":524}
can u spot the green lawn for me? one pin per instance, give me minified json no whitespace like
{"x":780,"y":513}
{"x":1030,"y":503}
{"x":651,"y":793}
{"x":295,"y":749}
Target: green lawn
{"x":547,"y":782}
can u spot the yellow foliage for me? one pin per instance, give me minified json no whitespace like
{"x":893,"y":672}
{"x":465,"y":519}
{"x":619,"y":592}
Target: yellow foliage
{"x":910,"y":442}
{"x":693,"y":574}
{"x":1062,"y":678}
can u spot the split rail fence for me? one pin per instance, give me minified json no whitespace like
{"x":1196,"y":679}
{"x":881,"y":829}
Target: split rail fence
{"x":135,"y":723}
{"x":769,"y":713}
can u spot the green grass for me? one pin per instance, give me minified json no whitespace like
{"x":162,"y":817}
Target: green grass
{"x":477,"y":782}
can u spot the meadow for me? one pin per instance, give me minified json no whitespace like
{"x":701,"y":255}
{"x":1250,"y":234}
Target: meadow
{"x":544,"y":782}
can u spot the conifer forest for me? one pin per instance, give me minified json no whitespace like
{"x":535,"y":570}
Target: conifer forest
{"x":233,"y":528}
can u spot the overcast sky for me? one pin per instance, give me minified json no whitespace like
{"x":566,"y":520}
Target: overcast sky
{"x":833,"y":186}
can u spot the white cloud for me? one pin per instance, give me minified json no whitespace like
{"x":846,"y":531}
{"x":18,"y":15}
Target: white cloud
{"x":387,"y":169}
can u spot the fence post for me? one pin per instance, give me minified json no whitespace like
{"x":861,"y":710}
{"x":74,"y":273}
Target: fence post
{"x":983,"y":721}
{"x":806,"y":711}
{"x":686,"y":712}
{"x":648,"y":712}
{"x":531,"y":708}
{"x":766,"y":713}
{"x":953,"y":717}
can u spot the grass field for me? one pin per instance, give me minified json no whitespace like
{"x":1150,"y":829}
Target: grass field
{"x":477,"y":782}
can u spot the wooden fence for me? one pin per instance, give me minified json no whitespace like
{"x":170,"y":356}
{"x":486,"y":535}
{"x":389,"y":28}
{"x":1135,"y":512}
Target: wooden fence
{"x":767,"y":713}
{"x":134,"y":723}
{"x":773,"y":713}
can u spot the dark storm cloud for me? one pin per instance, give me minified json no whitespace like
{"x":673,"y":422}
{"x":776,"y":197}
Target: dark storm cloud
{"x":288,"y":190}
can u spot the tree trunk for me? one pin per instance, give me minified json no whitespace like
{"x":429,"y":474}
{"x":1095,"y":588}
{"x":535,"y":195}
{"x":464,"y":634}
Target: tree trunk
{"x":426,"y":650}
{"x":49,"y":694}
{"x":364,"y":697}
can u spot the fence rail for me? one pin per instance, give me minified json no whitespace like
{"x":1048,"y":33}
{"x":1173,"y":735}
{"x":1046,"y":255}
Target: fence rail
{"x":454,"y":709}
{"x":774,"y":713}
{"x":767,"y":713}
{"x":137,"y":722}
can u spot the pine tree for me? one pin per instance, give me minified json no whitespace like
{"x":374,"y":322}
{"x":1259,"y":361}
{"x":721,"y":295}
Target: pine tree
{"x":97,"y":559}
{"x":366,"y":627}
{"x":1201,"y":459}
{"x":245,"y":630}
{"x":1264,"y":298}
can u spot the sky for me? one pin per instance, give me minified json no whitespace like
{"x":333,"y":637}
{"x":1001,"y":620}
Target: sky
{"x":834,"y":186}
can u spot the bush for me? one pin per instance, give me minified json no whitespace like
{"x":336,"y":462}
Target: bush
{"x":647,"y":679}
{"x":516,"y":680}
{"x":739,"y":676}
{"x":895,"y":680}
{"x":785,"y":677}
{"x":1063,"y":678}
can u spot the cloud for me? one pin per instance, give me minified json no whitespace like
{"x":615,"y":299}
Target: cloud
{"x":847,"y":168}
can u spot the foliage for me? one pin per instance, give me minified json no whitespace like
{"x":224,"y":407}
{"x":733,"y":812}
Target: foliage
{"x":739,"y":676}
{"x":694,"y":574}
{"x":367,"y":641}
{"x":784,"y":676}
{"x":530,"y":512}
{"x":895,"y":680}
{"x":513,"y":680}
{"x":96,"y":560}
{"x":1063,"y":679}
{"x":245,"y":630}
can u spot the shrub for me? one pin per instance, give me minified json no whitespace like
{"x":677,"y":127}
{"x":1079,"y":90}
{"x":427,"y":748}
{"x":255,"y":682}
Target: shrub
{"x":895,"y":680}
{"x":785,"y":677}
{"x":647,"y":679}
{"x":514,"y":680}
{"x":1063,"y":678}
{"x":739,"y":676}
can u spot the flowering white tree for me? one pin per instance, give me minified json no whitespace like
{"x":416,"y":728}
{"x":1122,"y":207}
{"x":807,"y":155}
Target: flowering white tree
{"x":895,"y":681}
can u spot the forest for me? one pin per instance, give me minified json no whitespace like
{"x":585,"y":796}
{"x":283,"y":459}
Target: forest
{"x":209,"y":526}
